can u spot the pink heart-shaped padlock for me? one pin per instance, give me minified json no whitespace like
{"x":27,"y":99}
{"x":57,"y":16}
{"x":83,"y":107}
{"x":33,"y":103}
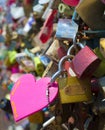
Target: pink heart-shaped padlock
{"x":29,"y":96}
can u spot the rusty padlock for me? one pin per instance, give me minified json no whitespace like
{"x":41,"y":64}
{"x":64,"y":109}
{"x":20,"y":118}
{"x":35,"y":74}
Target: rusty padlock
{"x":85,"y":62}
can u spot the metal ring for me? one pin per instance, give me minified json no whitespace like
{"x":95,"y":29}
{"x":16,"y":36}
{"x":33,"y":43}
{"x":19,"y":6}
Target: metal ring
{"x":60,"y":67}
{"x":69,"y":50}
{"x":61,"y":8}
{"x":63,"y":59}
{"x":54,"y":77}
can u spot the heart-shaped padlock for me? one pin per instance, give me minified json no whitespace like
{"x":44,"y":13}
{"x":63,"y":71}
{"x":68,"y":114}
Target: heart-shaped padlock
{"x":85,"y":62}
{"x":28,"y":95}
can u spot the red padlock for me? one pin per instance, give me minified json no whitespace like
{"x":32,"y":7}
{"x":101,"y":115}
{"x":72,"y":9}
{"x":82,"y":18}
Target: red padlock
{"x":85,"y":62}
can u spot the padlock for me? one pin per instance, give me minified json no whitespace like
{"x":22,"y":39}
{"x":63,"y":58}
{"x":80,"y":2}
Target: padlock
{"x":12,"y":56}
{"x":66,"y":29}
{"x":48,"y":10}
{"x":102,"y":46}
{"x":94,"y":8}
{"x":71,"y":116}
{"x":71,"y":2}
{"x":72,"y":89}
{"x":98,"y":106}
{"x":64,"y":9}
{"x":103,"y":1}
{"x":85,"y":61}
{"x":31,"y":21}
{"x":5,"y":105}
{"x":39,"y":67}
{"x":67,"y":67}
{"x":14,"y":68}
{"x":56,"y":50}
{"x":27,"y":4}
{"x":45,"y":60}
{"x":51,"y":68}
{"x":101,"y":82}
{"x":47,"y":29}
{"x":36,"y":118}
{"x":100,"y":71}
{"x":28,"y":64}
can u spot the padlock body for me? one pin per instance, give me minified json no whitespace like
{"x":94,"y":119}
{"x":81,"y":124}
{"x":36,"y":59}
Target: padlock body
{"x":85,"y":62}
{"x":74,"y":90}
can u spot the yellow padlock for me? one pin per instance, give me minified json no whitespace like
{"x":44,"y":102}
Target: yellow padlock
{"x":12,"y":56}
{"x":102,"y":46}
{"x":39,"y":67}
{"x":72,"y":89}
{"x":36,"y":118}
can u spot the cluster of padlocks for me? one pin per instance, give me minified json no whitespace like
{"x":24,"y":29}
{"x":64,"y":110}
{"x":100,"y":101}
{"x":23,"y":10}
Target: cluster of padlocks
{"x":52,"y":63}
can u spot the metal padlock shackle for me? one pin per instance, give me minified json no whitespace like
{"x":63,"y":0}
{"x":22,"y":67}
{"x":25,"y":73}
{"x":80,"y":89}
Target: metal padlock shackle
{"x":71,"y":47}
{"x":62,"y":7}
{"x":60,"y":67}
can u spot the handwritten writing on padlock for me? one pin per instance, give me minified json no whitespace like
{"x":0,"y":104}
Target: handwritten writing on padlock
{"x":85,"y":61}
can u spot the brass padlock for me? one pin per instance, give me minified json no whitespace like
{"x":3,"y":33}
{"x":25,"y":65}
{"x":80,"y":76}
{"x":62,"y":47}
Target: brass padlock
{"x":72,"y":89}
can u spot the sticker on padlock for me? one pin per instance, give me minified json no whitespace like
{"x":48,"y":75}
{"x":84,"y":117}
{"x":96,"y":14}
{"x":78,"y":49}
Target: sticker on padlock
{"x":72,"y":89}
{"x":85,"y":62}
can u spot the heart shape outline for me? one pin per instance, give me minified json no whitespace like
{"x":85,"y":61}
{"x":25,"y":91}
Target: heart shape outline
{"x":28,"y":95}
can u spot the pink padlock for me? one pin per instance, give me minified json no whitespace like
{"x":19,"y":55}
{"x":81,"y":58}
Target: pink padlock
{"x":103,"y":1}
{"x":85,"y":62}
